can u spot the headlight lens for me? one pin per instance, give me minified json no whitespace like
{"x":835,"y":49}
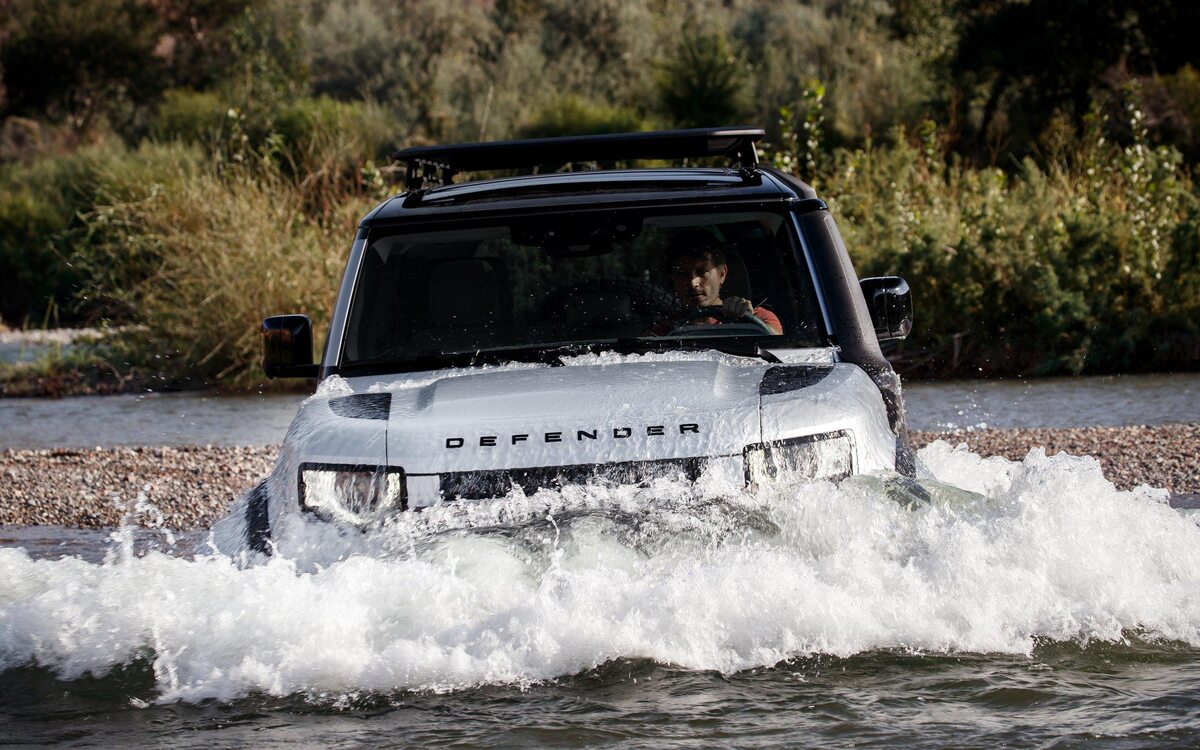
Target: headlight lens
{"x":826,"y":456}
{"x":356,"y":495}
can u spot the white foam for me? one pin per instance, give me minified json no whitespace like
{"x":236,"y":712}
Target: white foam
{"x":337,"y":386}
{"x":530,"y":588}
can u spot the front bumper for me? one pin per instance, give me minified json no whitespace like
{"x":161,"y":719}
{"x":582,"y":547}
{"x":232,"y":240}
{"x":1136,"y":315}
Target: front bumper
{"x":827,"y":456}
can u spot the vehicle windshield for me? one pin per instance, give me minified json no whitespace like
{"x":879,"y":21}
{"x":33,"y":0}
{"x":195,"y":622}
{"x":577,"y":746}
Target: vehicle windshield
{"x":628,"y":280}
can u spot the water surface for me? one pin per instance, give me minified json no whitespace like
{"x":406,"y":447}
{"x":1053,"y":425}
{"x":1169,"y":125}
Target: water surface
{"x":1093,"y":401}
{"x":197,"y":418}
{"x":1000,"y":604}
{"x":179,"y":418}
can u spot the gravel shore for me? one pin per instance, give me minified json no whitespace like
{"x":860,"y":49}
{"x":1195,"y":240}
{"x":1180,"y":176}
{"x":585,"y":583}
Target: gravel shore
{"x":192,"y":487}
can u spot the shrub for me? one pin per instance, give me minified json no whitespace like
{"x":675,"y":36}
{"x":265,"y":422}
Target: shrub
{"x":41,"y":203}
{"x":606,"y":47}
{"x":77,"y":61}
{"x":202,"y":260}
{"x":1076,"y":265}
{"x":573,"y":115}
{"x":873,"y":79}
{"x":424,"y":60}
{"x":33,"y":280}
{"x":306,"y":125}
{"x":705,"y":82}
{"x":193,"y":116}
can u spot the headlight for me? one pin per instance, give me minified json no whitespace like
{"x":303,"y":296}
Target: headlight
{"x":826,"y":456}
{"x":352,"y":494}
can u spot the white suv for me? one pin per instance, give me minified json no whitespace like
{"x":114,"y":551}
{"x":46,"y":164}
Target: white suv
{"x":610,"y":325}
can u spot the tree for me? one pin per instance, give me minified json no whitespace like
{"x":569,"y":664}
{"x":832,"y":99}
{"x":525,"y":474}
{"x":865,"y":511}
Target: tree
{"x":1047,"y":56}
{"x":73,"y":61}
{"x":705,"y":83}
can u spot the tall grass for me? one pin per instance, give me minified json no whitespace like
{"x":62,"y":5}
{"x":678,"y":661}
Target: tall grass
{"x":199,"y":259}
{"x":1084,"y":262}
{"x":41,"y":228}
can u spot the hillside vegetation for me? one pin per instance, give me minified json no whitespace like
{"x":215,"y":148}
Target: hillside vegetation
{"x":178,"y":170}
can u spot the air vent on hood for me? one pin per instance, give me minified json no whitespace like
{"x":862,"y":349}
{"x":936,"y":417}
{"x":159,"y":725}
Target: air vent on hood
{"x":792,"y":378}
{"x":362,"y":406}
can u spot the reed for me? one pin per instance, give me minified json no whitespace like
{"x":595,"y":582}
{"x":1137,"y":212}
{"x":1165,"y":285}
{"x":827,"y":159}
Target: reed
{"x":198,"y":261}
{"x":1083,"y":261}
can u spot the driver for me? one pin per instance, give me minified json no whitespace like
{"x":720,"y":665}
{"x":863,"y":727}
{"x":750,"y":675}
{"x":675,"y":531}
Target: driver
{"x":697,"y":267}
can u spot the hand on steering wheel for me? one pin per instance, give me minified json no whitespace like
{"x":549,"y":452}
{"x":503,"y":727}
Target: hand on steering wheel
{"x":737,"y":307}
{"x":734,"y":310}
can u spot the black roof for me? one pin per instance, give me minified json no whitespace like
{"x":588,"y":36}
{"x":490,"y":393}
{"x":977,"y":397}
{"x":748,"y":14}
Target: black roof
{"x":744,"y":180}
{"x":602,"y":189}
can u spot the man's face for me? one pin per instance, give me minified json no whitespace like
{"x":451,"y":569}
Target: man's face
{"x":698,"y":281}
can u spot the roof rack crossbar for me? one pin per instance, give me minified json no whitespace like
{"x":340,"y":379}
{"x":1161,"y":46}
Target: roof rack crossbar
{"x":424,"y":162}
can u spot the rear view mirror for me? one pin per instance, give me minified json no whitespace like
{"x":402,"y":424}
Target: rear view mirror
{"x":890,"y":303}
{"x":288,"y":347}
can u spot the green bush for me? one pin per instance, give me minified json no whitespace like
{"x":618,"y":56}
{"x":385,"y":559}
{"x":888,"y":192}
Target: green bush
{"x":705,"y":82}
{"x":202,"y":260}
{"x":79,"y":62}
{"x":192,"y":116}
{"x":41,"y":227}
{"x":308,"y":126}
{"x":874,"y":80}
{"x":33,"y":278}
{"x":573,"y":115}
{"x":1078,"y":265}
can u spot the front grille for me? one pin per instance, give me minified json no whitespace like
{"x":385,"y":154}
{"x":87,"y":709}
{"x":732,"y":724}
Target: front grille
{"x":478,"y":485}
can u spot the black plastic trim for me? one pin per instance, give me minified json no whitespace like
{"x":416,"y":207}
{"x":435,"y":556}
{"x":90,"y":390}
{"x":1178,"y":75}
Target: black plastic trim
{"x":258,"y":520}
{"x":735,"y":142}
{"x":526,"y":188}
{"x":853,"y":329}
{"x":583,"y":200}
{"x":808,"y":205}
{"x":803,"y":189}
{"x":362,"y":406}
{"x":490,"y":483}
{"x":787,"y":378}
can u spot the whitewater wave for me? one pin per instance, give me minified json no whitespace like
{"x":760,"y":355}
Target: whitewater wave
{"x":983,"y":555}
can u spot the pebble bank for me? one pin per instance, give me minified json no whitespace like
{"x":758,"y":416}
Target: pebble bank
{"x":194,"y":486}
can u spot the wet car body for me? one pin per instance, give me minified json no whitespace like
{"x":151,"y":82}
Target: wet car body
{"x":493,"y":335}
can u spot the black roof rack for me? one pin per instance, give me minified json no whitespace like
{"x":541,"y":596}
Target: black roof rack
{"x":736,"y":143}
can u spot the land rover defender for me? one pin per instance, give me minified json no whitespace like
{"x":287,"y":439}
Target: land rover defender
{"x":597,"y":324}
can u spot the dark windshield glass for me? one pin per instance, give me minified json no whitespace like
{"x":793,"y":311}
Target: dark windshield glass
{"x":578,"y":278}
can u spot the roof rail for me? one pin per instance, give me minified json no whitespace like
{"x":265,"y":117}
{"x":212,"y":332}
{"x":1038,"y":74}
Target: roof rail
{"x":424,"y":162}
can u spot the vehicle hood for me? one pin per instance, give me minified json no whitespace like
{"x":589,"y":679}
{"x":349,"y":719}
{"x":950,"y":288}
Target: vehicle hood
{"x":581,"y":413}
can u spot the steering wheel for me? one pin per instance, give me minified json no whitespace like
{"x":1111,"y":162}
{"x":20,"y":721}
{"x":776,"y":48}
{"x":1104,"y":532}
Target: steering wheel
{"x":718,"y":312}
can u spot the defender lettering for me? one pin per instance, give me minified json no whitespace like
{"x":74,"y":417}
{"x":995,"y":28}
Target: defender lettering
{"x":618,"y":433}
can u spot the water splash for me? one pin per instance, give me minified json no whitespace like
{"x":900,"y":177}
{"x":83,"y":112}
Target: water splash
{"x":982,"y":556}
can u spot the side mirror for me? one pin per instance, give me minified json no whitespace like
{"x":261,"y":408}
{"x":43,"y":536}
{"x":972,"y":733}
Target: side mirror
{"x":890,"y":303}
{"x":288,"y":347}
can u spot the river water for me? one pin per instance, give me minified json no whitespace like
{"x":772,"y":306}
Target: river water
{"x":999,"y":604}
{"x":199,"y":418}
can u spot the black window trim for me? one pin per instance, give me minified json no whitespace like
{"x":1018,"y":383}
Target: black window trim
{"x":795,"y":263}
